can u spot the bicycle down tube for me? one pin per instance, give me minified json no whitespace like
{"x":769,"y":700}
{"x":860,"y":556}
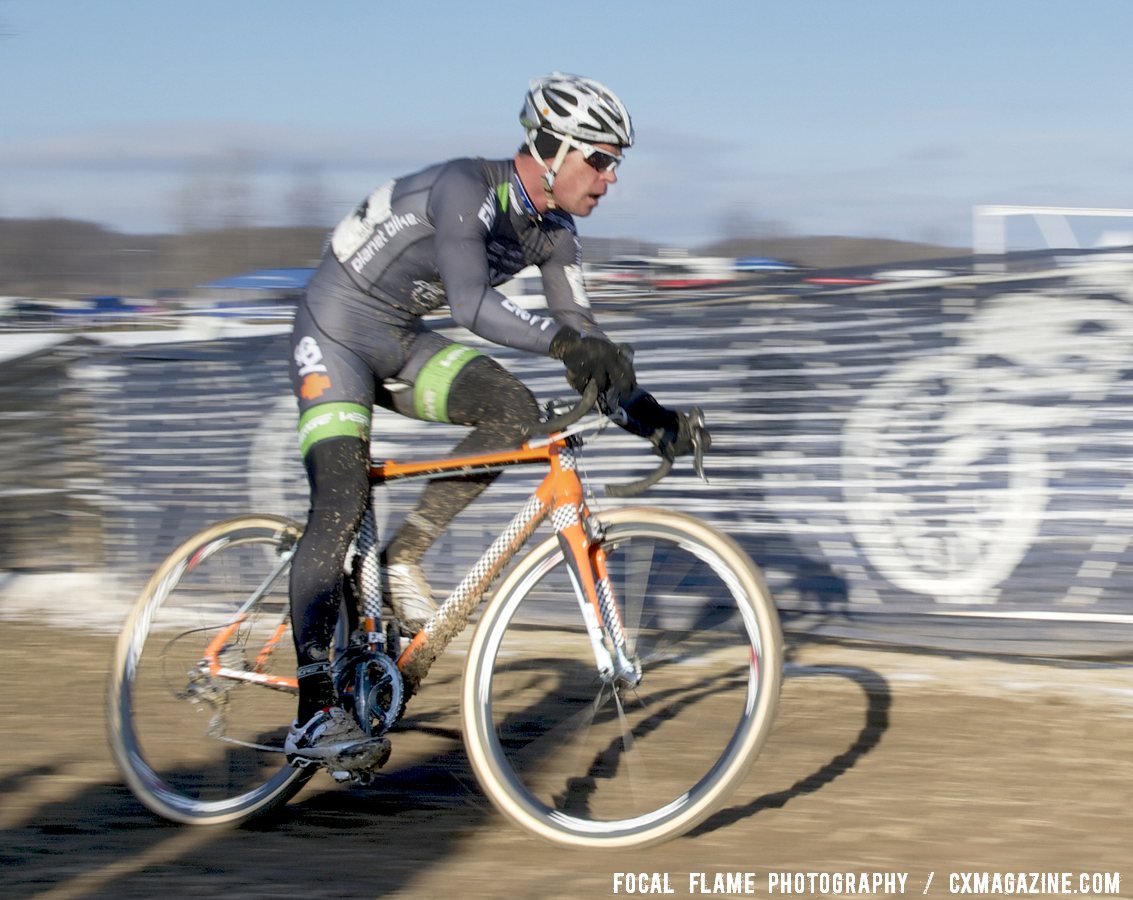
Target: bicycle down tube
{"x":559,"y":495}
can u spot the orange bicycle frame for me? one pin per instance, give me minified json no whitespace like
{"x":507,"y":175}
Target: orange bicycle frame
{"x":559,"y":496}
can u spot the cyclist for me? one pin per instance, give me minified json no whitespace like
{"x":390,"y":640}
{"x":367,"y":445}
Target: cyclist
{"x":447,"y":234}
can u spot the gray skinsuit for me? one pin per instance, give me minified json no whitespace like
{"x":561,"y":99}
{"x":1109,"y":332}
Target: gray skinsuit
{"x":447,"y":234}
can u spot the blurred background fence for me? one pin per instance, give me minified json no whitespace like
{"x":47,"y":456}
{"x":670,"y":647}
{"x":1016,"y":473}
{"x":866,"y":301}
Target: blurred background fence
{"x":943,"y":464}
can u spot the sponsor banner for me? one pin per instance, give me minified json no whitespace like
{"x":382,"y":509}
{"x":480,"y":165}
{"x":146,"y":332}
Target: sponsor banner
{"x":944,"y":467}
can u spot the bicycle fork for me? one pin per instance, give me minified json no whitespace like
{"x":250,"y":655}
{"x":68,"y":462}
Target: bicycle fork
{"x":580,"y":537}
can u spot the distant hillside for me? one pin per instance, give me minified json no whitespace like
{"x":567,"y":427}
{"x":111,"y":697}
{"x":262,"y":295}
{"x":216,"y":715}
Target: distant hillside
{"x":68,"y":258}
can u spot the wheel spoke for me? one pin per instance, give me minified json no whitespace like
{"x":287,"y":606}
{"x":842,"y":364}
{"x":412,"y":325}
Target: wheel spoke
{"x":634,"y":584}
{"x":566,"y":736}
{"x":636,"y":765}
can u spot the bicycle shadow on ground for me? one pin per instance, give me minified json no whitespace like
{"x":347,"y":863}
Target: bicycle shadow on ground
{"x":879,"y":701}
{"x":71,"y":831}
{"x":358,"y":841}
{"x":426,"y":781}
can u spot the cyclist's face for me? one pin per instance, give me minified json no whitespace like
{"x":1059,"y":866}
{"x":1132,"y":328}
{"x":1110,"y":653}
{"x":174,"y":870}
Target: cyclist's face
{"x":579,"y":186}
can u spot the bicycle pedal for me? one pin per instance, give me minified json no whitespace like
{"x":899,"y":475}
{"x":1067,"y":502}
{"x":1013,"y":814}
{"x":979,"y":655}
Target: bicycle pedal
{"x":362,"y":779}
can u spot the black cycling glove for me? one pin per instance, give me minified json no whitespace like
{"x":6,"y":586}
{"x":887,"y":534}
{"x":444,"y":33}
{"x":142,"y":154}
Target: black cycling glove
{"x":594,"y":359}
{"x":670,"y":431}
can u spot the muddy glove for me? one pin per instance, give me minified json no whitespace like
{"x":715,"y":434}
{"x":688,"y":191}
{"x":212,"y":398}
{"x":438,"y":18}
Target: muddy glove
{"x":594,"y":359}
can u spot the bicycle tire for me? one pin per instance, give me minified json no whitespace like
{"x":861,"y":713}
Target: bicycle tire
{"x":560,"y":761}
{"x":197,"y":749}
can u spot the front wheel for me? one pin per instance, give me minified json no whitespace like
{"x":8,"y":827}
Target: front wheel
{"x":584,"y":761}
{"x":202,"y":687}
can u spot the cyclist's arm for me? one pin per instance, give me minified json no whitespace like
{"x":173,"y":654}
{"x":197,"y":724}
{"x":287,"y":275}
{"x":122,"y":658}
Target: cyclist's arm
{"x":563,"y":285}
{"x":568,"y":303}
{"x":461,"y":212}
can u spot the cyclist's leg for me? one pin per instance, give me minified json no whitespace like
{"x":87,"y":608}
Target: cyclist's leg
{"x":335,"y":390}
{"x":448,"y":382}
{"x":337,"y":473}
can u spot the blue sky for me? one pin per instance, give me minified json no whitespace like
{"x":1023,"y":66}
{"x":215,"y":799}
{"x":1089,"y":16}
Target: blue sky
{"x":879,"y":117}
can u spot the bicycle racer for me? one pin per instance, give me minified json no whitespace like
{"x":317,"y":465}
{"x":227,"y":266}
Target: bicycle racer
{"x":449,"y":233}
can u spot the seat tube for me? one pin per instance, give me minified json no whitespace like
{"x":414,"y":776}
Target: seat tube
{"x":368,"y":575}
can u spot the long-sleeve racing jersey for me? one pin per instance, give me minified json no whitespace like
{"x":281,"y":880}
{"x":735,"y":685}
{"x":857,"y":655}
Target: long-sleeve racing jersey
{"x":449,"y":234}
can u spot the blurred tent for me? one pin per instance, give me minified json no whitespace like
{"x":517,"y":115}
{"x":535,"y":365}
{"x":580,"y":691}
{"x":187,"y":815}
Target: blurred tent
{"x":263,"y":280}
{"x":763,"y":264}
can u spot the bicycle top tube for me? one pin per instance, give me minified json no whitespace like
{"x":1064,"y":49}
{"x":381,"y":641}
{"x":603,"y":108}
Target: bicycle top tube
{"x":389,"y":470}
{"x":536,"y":451}
{"x":548,"y":438}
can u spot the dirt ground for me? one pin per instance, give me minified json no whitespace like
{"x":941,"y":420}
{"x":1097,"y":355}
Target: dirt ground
{"x":879,"y":762}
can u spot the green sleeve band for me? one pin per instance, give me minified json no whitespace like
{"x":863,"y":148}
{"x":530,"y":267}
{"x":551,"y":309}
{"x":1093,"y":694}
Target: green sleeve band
{"x":433,"y":382}
{"x":331,"y":420}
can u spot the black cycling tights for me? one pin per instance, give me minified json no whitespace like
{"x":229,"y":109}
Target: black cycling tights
{"x":501,"y":411}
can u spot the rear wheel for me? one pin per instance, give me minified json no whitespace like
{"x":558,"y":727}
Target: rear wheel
{"x":201,"y":742}
{"x":584,"y":762}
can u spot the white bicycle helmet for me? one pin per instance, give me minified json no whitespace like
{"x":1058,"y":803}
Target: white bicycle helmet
{"x":577,"y":107}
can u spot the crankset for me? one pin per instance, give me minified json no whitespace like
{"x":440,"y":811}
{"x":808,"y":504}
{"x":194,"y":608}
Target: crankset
{"x":370,"y":685}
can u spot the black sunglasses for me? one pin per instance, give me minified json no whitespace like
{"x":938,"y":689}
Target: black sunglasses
{"x":601,"y":161}
{"x":598,"y":160}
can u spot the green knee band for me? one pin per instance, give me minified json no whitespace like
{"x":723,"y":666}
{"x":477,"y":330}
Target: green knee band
{"x":331,"y":420}
{"x":430,"y":392}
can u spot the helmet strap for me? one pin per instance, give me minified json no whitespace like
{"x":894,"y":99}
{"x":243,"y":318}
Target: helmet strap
{"x":549,"y":173}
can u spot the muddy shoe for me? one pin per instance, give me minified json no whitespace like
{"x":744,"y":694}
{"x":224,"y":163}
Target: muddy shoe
{"x":332,"y":739}
{"x":360,"y":763}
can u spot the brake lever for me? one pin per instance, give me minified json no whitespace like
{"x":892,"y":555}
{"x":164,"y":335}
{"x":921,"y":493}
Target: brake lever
{"x":696,"y":422}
